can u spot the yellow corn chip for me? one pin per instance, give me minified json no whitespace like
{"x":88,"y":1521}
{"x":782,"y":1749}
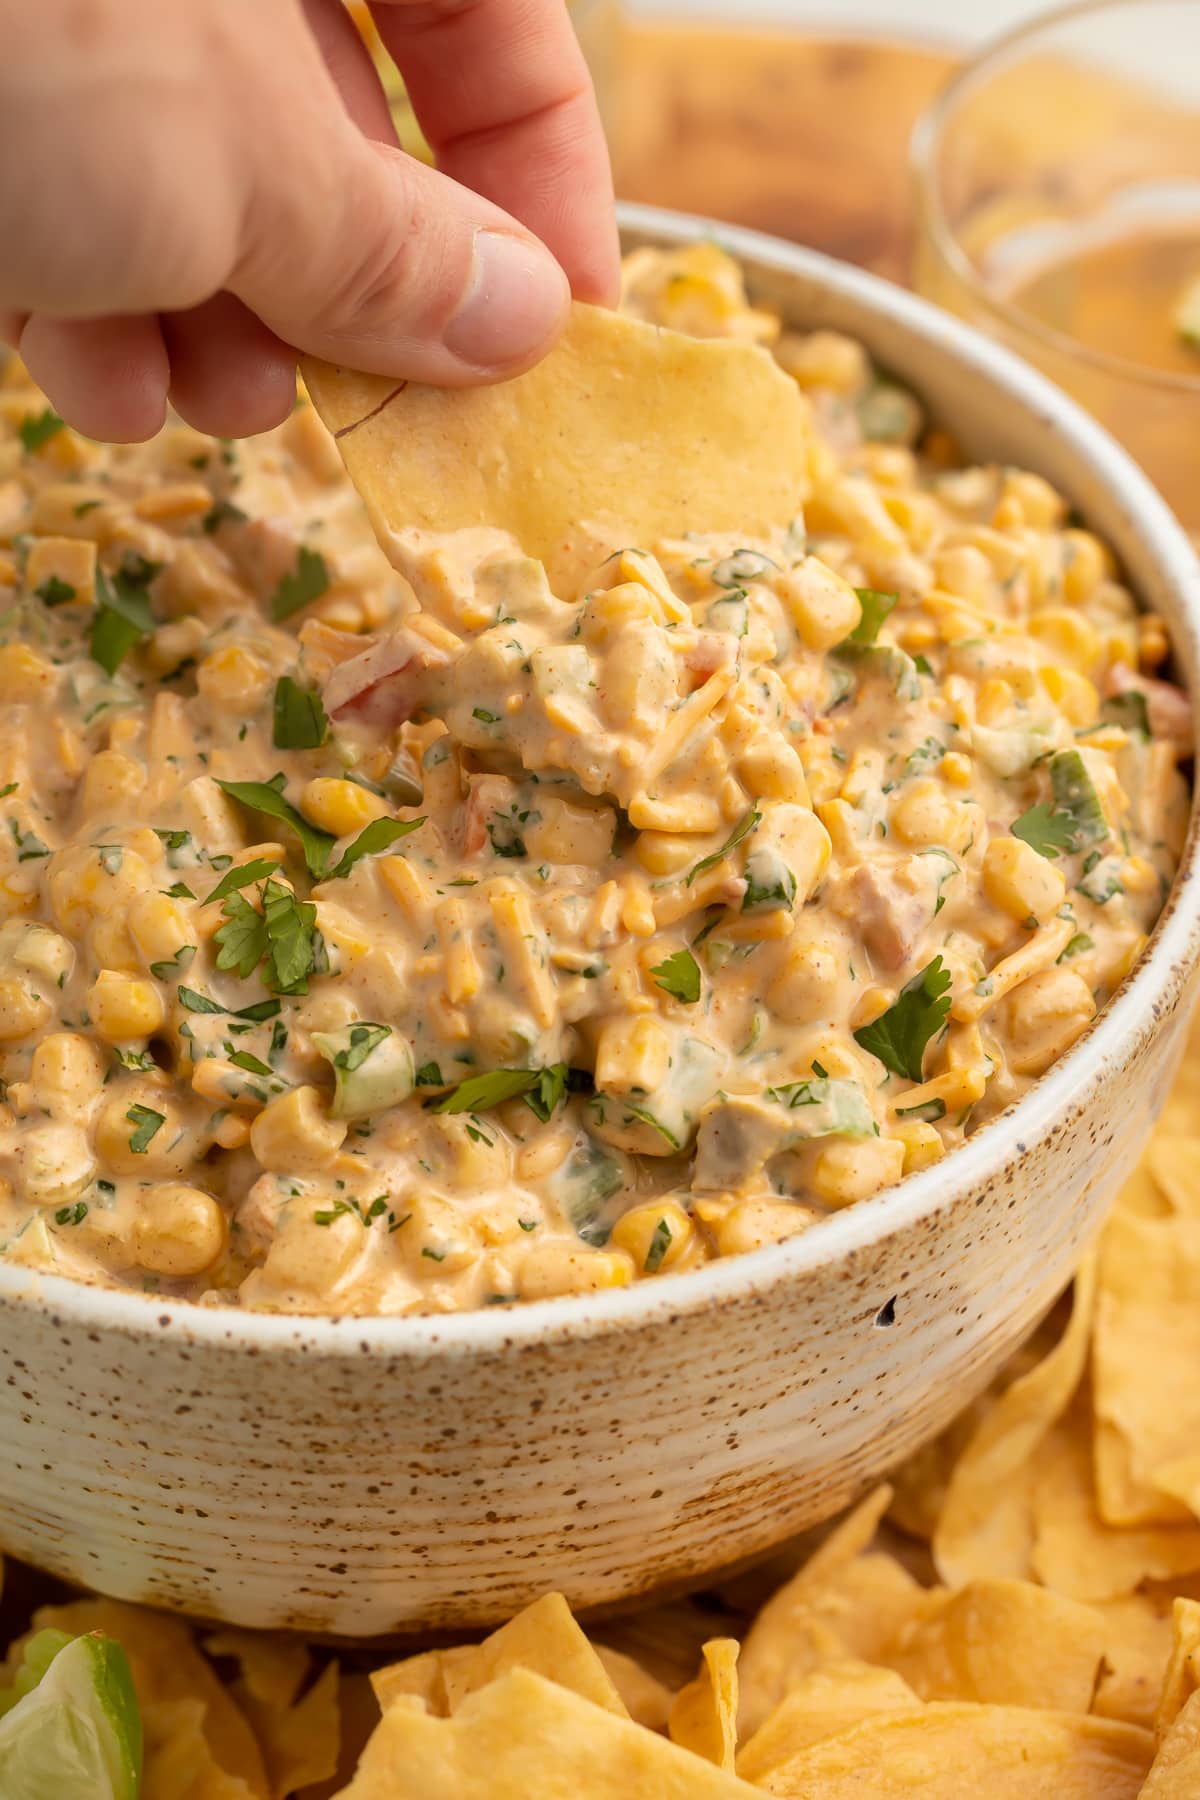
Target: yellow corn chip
{"x":1136,"y":1648}
{"x":823,"y":1704}
{"x":623,"y":426}
{"x":1075,"y":1552}
{"x":1146,"y":1351}
{"x":522,"y":1737}
{"x":703,"y":1717}
{"x":273,"y":1667}
{"x":1004,"y":1642}
{"x":948,"y":1750}
{"x":645,"y":1698}
{"x":1182,"y":1677}
{"x":986,"y":1525}
{"x":544,"y":1637}
{"x":1174,"y":1164}
{"x":167,"y":1667}
{"x":1175,"y":1772}
{"x":842,"y":1603}
{"x":423,"y":1676}
{"x":178,"y":1759}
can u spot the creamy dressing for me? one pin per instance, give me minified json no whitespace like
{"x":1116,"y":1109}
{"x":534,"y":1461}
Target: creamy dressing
{"x":568,"y":938}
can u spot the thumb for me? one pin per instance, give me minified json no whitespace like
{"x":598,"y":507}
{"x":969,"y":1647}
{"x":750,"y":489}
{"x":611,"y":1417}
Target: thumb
{"x":380,"y":263}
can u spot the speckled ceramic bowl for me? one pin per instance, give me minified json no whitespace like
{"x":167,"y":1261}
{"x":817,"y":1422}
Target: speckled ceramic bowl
{"x":367,"y":1476}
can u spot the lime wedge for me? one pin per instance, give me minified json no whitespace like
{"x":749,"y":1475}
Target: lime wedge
{"x":77,"y":1733}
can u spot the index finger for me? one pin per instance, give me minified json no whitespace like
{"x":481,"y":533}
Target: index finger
{"x":504,"y":97}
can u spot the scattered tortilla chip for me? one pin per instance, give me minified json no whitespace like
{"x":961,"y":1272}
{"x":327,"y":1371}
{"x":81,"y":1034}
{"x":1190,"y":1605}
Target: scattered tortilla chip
{"x":299,"y":1738}
{"x":645,"y":1698}
{"x":1136,"y":1648}
{"x":843,"y":1603}
{"x":947,"y":1749}
{"x":986,"y":1527}
{"x":622,"y":424}
{"x":703,"y":1717}
{"x":274,"y":1667}
{"x":178,"y":1759}
{"x":1173,"y":1163}
{"x":1075,"y":1552}
{"x":823,"y":1704}
{"x":167,"y":1667}
{"x":359,"y":1715}
{"x":545,"y":1637}
{"x":1007,"y":1643}
{"x":1145,"y":1354}
{"x":1175,"y":1772}
{"x":522,"y":1736}
{"x":1182,"y":1678}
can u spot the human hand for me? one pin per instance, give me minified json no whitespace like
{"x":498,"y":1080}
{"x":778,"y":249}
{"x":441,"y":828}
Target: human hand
{"x":192,"y":190}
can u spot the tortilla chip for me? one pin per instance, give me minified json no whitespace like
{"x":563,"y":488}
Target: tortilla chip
{"x":948,"y":1749}
{"x":843,"y":1603}
{"x":274,"y":1667}
{"x":544,"y":1637}
{"x":1182,"y":1678}
{"x":646,"y":1699}
{"x":986,"y":1526}
{"x":1075,"y":1552}
{"x":622,"y":425}
{"x":1146,"y":1350}
{"x":703,"y":1716}
{"x":1007,"y":1643}
{"x":825,"y":1703}
{"x":178,"y":1760}
{"x":167,"y":1667}
{"x":1174,"y":1165}
{"x":522,"y":1736}
{"x":1136,"y":1648}
{"x":1175,"y":1772}
{"x":423,"y":1676}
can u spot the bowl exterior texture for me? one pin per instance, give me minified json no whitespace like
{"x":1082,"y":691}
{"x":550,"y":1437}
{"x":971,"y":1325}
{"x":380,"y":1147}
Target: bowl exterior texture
{"x":363,"y":1477}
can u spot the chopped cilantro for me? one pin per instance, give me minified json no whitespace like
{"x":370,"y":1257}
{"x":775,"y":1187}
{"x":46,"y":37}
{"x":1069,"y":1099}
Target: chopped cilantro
{"x":660,"y":1243}
{"x":198,"y":1003}
{"x":429,"y":1075}
{"x":300,"y":720}
{"x":147,"y":1124}
{"x":223,"y":512}
{"x":679,"y":976}
{"x":1075,"y":820}
{"x":37,"y":429}
{"x":377,"y":836}
{"x":875,"y":608}
{"x":308,"y":581}
{"x":1076,"y":946}
{"x":479,"y":1092}
{"x":168,"y":970}
{"x":72,"y":1215}
{"x":266,"y":797}
{"x":123,"y":619}
{"x":53,"y":592}
{"x":899,"y":1038}
{"x":242,"y":876}
{"x":740,"y":831}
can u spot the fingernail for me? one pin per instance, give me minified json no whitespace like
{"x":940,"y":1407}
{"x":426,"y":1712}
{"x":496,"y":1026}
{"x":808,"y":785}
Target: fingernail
{"x":514,"y":299}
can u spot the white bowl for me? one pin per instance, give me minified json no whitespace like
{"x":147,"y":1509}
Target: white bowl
{"x":365,"y":1476}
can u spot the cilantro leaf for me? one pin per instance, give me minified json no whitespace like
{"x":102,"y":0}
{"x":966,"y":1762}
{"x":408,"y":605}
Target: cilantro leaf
{"x":478,"y":1092}
{"x":242,"y":1059}
{"x":679,"y":976}
{"x":899,"y":1038}
{"x":36,"y":430}
{"x":1075,"y":820}
{"x":875,"y":608}
{"x":148,"y":1123}
{"x":741,"y":830}
{"x":196,"y":1002}
{"x":364,"y":1038}
{"x":373,"y":838}
{"x":1046,"y":830}
{"x":300,"y":720}
{"x":265,"y":797}
{"x":222,"y":512}
{"x":1128,"y":709}
{"x":54,"y":592}
{"x":123,"y":619}
{"x":241,"y":876}
{"x":660,"y":1243}
{"x":171,"y":967}
{"x":308,"y":581}
{"x":291,"y":938}
{"x":243,"y":940}
{"x":429,"y":1075}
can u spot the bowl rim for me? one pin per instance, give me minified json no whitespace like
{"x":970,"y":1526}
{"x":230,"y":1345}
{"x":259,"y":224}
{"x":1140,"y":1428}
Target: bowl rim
{"x":1165,"y":967}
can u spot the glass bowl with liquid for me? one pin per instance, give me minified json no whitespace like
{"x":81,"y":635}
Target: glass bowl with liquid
{"x":1058,"y":198}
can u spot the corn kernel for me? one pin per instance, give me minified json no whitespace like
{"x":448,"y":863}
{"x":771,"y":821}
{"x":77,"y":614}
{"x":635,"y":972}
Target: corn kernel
{"x":21,"y":1009}
{"x":549,"y":1269}
{"x":1086,"y":562}
{"x":656,"y":1236}
{"x":922,"y":1144}
{"x":1073,"y":694}
{"x":124,"y":1007}
{"x":25,"y":677}
{"x":758,"y":1222}
{"x":1020,"y":882}
{"x":69,"y":562}
{"x":665,"y":852}
{"x":340,"y":806}
{"x":631,"y":1054}
{"x":232,"y":677}
{"x":846,"y":1170}
{"x":824,"y":608}
{"x":1072,"y":635}
{"x":295,"y":1133}
{"x":955,"y":768}
{"x":178,"y":1230}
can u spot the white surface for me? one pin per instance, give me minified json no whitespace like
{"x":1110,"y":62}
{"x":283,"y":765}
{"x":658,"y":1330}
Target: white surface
{"x":964,"y":20}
